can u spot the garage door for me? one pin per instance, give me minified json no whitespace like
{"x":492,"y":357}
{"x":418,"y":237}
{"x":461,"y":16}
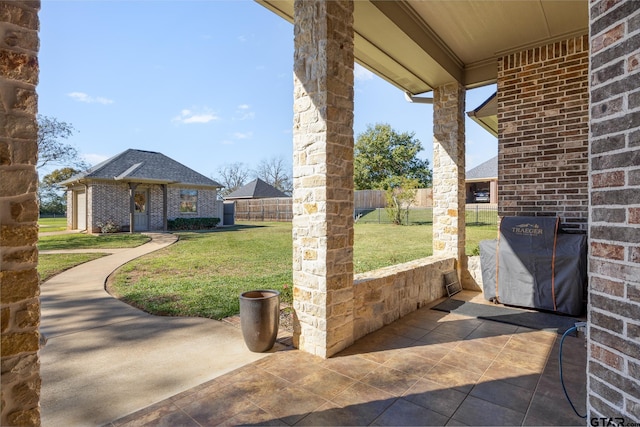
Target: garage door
{"x":81,"y":210}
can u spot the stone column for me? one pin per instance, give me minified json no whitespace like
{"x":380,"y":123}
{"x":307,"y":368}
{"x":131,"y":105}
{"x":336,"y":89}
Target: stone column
{"x":19,"y":303}
{"x":449,"y":174}
{"x":323,"y":176}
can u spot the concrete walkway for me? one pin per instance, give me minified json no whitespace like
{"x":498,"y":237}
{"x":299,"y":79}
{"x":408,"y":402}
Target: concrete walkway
{"x":105,"y":359}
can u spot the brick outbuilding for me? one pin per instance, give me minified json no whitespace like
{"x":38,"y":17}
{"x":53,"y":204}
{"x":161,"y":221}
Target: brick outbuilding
{"x":139,"y":190}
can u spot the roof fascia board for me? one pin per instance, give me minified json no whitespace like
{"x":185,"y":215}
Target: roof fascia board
{"x":408,"y":21}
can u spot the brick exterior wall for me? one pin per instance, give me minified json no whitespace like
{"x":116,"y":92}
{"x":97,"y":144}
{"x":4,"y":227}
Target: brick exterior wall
{"x":614,"y":227}
{"x":543,"y":132}
{"x":19,"y":303}
{"x":110,"y":201}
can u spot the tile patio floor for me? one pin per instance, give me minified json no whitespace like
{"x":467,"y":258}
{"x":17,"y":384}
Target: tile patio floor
{"x":428,"y":368}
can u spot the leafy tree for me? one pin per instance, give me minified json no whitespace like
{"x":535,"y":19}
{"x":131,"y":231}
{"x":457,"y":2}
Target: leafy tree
{"x":381,"y":153}
{"x":51,"y":198}
{"x":232,"y":176}
{"x":276,"y":172}
{"x":52,"y":150}
{"x":400,"y":193}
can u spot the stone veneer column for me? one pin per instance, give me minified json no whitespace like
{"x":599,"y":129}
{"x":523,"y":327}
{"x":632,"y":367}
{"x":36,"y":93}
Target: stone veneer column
{"x":448,"y":173}
{"x":323,"y":176}
{"x":19,"y":303}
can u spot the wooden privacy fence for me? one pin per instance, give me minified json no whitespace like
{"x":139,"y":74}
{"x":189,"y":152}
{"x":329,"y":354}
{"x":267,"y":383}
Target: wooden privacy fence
{"x":281,"y":208}
{"x":372,"y":199}
{"x":272,"y":209}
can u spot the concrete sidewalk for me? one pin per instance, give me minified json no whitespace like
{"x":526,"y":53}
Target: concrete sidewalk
{"x":105,"y":359}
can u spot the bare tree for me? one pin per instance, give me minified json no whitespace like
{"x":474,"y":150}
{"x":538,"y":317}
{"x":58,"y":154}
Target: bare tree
{"x":51,"y":149}
{"x":232,"y":176}
{"x":276,"y":172}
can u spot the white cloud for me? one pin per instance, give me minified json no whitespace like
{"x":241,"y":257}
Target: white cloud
{"x":187,"y":116}
{"x":361,"y":74}
{"x":227,"y":142}
{"x":242,"y":38}
{"x":83,"y":97}
{"x":243,"y":112}
{"x":242,"y":135}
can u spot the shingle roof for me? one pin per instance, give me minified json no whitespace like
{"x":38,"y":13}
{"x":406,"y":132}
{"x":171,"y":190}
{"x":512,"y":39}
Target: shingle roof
{"x":144,"y":166}
{"x":488,"y":169}
{"x":256,"y":189}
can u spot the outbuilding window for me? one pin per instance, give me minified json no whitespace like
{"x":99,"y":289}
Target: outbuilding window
{"x":188,"y":201}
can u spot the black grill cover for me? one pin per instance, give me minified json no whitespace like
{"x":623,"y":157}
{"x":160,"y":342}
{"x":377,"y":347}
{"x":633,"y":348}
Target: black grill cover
{"x":530,"y":272}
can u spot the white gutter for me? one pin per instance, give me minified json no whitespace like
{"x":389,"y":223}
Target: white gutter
{"x":417,"y":99}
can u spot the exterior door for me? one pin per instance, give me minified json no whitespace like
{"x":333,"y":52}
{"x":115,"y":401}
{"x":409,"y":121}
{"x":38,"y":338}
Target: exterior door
{"x":141,"y":210}
{"x":81,"y":210}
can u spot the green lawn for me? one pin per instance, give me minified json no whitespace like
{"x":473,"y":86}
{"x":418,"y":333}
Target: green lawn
{"x":91,"y":241}
{"x":52,"y":224}
{"x":203,"y":273}
{"x":52,"y":264}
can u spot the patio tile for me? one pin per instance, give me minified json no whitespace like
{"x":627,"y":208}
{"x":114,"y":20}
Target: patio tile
{"x":405,"y":413}
{"x":528,"y":361}
{"x":352,"y":366}
{"x":527,"y":343}
{"x":252,"y":415}
{"x":325,"y":382}
{"x":504,"y":394}
{"x":434,"y":396}
{"x":512,"y":374}
{"x":553,"y":411}
{"x":280,"y":366}
{"x":463,"y":360}
{"x":478,"y":412}
{"x":390,"y":380}
{"x":410,"y":364}
{"x":453,"y":376}
{"x":477,"y":347}
{"x":405,"y":330}
{"x":458,"y":329}
{"x":433,"y":352}
{"x":435,"y":337}
{"x":360,"y":404}
{"x":215,"y":410}
{"x":291,"y":404}
{"x":494,"y":338}
{"x":155,"y":414}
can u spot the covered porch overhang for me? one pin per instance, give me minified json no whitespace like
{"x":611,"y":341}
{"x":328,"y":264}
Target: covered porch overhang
{"x":439,"y":47}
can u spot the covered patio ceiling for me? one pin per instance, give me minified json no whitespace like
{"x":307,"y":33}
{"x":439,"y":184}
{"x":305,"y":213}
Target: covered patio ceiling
{"x":420,"y":45}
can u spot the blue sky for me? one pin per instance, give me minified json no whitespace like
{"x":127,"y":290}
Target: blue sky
{"x":206,"y":83}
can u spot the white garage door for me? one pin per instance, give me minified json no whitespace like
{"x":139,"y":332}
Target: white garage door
{"x":81,"y":210}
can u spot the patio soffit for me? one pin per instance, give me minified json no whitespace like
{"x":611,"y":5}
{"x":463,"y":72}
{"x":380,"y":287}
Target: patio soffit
{"x":418,"y":45}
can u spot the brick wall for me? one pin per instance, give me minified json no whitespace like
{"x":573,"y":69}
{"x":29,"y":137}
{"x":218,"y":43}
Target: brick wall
{"x":110,"y":201}
{"x":543,"y":132}
{"x":19,"y":303}
{"x":614,"y":226}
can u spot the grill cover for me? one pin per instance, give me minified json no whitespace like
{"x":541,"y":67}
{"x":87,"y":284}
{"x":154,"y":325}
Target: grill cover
{"x":533,"y":264}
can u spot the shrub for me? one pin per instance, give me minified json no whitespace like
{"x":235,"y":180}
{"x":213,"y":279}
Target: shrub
{"x":109,"y":226}
{"x":192,"y":223}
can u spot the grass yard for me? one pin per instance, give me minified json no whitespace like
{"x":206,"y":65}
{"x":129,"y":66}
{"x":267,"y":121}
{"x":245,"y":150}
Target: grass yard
{"x":52,"y":224}
{"x":91,"y":241}
{"x":51,"y":264}
{"x":204,"y":273}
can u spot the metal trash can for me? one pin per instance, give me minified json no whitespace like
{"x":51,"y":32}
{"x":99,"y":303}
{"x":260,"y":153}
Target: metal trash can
{"x":260,"y":318}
